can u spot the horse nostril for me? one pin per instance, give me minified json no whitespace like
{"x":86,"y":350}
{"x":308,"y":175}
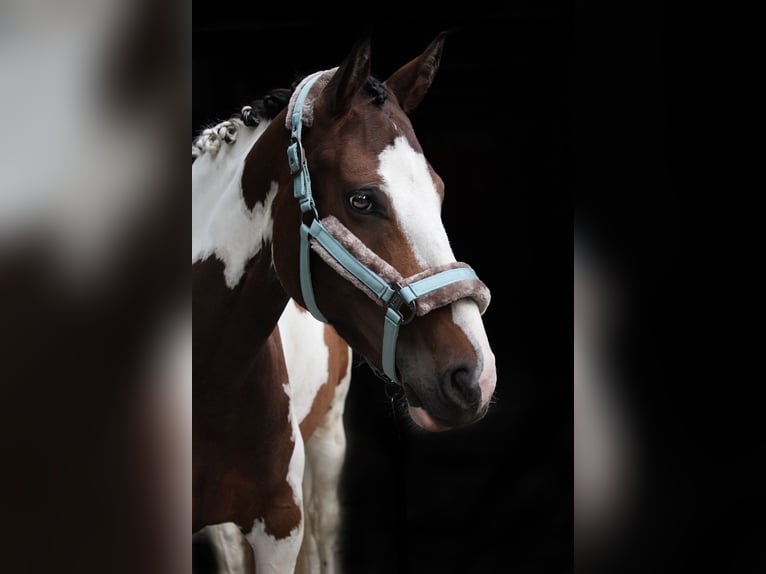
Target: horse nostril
{"x":461,"y":387}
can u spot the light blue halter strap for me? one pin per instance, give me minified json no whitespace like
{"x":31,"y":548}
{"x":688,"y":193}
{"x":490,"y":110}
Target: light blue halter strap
{"x":391,"y":296}
{"x":296,"y":159}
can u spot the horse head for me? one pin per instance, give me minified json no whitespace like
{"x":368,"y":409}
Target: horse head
{"x":360,"y":241}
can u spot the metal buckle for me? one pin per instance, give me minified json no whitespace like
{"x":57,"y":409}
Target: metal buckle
{"x":296,"y":156}
{"x":397,"y":301}
{"x":308,"y":207}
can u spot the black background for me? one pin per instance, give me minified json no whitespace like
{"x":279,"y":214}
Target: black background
{"x":609,"y":113}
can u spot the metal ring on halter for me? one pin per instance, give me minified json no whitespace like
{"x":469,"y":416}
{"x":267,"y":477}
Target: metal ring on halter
{"x":396,"y":302}
{"x":296,"y":157}
{"x":313,"y":211}
{"x":301,"y":151}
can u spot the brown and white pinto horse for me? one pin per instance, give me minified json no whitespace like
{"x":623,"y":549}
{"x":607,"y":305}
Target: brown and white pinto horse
{"x":372,"y":183}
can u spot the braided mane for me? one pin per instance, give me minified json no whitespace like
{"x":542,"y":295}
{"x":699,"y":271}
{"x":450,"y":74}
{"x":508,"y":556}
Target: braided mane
{"x":263,"y":108}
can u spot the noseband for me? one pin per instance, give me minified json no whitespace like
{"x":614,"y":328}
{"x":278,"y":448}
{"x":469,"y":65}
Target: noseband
{"x":402,"y":298}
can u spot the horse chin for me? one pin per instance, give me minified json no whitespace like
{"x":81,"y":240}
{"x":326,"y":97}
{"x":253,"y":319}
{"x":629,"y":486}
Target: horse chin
{"x":419,"y":414}
{"x":425,"y":420}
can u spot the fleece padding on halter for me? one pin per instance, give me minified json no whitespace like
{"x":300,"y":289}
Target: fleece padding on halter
{"x":317,"y":82}
{"x":468,"y":286}
{"x":435,"y":287}
{"x":343,"y":251}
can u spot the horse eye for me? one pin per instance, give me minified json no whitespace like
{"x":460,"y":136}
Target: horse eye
{"x":361,"y":201}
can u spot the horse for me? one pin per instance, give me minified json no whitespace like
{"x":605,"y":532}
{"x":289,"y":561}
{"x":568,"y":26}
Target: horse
{"x":328,"y":204}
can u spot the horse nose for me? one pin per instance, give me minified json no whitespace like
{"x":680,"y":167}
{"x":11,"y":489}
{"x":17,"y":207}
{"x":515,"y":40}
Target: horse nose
{"x":460,"y":386}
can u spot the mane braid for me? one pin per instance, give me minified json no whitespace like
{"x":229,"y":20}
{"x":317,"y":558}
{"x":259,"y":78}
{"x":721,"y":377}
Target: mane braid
{"x":263,"y":108}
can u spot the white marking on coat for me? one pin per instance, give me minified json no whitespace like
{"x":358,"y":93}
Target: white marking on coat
{"x":222,"y":224}
{"x":278,"y":555}
{"x":325,"y":454}
{"x":226,"y":540}
{"x":306,"y":356}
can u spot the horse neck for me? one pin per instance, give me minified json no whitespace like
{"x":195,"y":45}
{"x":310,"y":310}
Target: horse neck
{"x":237,"y":295}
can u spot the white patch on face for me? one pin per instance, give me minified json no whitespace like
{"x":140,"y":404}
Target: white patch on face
{"x":415,"y":203}
{"x":465,"y":314}
{"x":222,"y":225}
{"x":278,"y":555}
{"x":306,"y":356}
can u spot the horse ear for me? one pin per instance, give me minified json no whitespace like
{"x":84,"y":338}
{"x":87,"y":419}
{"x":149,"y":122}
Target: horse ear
{"x":350,"y":77}
{"x":411,"y":82}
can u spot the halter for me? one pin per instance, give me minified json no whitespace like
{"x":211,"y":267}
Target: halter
{"x":399,"y":297}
